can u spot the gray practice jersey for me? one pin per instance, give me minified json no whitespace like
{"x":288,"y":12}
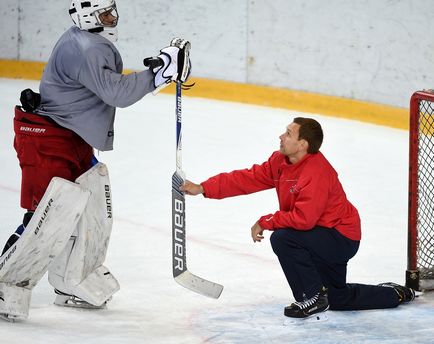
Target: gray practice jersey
{"x":81,"y":86}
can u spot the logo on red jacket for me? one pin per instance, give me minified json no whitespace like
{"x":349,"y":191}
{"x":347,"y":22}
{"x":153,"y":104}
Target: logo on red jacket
{"x":294,"y":188}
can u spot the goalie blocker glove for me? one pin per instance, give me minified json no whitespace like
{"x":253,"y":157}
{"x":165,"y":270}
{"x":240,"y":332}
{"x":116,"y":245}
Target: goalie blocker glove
{"x":173,"y":63}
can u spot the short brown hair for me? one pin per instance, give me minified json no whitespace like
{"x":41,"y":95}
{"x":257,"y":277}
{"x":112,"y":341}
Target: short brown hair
{"x":311,"y":131}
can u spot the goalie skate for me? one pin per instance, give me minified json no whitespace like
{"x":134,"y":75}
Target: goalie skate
{"x":66,"y":300}
{"x":9,"y":317}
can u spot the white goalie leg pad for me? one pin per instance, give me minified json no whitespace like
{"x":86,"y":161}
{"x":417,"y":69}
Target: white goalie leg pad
{"x":14,"y":302}
{"x":45,"y":236}
{"x":78,"y":270}
{"x":98,"y":287}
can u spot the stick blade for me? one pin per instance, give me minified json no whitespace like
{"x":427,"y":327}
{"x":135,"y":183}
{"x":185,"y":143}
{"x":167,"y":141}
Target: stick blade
{"x":199,"y":285}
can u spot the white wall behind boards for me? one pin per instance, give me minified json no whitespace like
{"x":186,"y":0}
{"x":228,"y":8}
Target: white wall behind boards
{"x":373,"y":50}
{"x":9,"y":29}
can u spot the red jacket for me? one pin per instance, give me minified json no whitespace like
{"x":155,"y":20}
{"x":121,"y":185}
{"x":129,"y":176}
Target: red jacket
{"x":309,"y":191}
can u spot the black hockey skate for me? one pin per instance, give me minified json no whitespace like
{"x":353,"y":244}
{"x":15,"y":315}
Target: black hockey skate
{"x":316,"y":304}
{"x":405,"y":294}
{"x":67,"y":300}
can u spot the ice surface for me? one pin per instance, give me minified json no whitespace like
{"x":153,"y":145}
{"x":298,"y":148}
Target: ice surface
{"x":219,"y":136}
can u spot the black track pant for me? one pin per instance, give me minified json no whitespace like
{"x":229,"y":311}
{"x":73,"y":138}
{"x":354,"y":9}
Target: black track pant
{"x":318,"y":257}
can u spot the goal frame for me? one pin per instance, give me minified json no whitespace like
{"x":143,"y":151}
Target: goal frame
{"x":413,"y":276}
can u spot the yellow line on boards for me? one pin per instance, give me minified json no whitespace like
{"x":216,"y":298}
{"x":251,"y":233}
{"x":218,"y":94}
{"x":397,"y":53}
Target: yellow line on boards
{"x":390,"y":116}
{"x":14,"y":69}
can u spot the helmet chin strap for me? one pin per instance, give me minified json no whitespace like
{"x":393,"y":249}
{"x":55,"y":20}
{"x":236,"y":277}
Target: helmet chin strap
{"x":111,"y":33}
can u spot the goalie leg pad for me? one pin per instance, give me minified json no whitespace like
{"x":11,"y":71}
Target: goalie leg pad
{"x":14,"y":302}
{"x":47,"y":233}
{"x":45,"y":236}
{"x":78,"y":270}
{"x":96,"y":289}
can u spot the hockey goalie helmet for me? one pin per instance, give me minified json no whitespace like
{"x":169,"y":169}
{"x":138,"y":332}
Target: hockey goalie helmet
{"x":98,"y":16}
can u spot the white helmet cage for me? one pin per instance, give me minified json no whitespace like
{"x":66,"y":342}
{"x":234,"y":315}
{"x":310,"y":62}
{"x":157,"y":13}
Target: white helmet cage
{"x":86,"y":14}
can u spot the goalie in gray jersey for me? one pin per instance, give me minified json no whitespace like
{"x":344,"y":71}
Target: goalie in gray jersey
{"x":80,"y":89}
{"x":82,"y":83}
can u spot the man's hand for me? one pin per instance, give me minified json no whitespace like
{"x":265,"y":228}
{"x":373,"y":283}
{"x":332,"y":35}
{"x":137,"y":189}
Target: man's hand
{"x":257,"y":232}
{"x":190,"y":188}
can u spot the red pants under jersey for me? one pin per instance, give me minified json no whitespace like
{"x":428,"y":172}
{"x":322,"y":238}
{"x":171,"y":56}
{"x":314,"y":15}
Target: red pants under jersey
{"x":46,"y":150}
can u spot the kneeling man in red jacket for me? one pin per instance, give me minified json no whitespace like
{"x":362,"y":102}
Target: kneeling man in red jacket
{"x":316,"y":230}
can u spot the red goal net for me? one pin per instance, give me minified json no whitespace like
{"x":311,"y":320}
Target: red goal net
{"x":420,"y":265}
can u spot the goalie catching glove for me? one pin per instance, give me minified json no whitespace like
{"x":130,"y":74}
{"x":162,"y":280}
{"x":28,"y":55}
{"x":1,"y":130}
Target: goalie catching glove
{"x":173,"y":63}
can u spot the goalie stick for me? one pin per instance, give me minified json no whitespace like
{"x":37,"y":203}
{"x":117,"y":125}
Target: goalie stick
{"x":180,"y":271}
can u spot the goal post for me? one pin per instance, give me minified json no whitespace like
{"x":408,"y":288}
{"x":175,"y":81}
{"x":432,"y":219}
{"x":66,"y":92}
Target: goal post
{"x":420,"y":262}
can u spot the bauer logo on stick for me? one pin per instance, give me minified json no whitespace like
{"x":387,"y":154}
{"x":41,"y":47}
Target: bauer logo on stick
{"x":179,"y":235}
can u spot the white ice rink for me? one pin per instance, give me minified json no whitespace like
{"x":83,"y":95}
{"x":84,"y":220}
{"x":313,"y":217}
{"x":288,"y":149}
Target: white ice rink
{"x":218,"y":136}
